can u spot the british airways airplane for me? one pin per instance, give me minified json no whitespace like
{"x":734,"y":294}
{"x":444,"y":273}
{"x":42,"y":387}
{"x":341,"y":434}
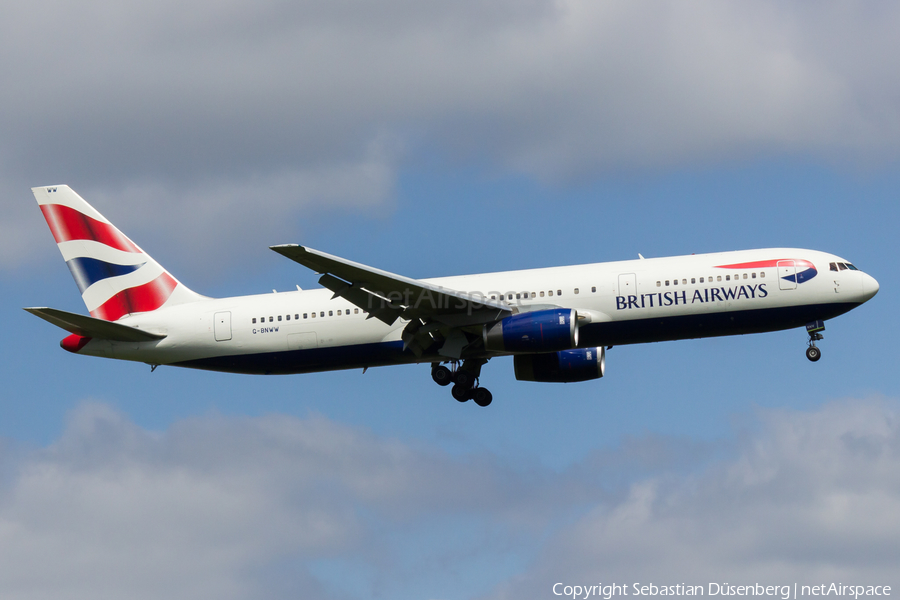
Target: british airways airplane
{"x":556,"y":322}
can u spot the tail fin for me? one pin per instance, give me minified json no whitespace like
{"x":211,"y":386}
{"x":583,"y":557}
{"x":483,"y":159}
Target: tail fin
{"x":115,"y":276}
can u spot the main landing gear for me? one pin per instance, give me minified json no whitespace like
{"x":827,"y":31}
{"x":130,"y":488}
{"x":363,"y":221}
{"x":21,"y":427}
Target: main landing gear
{"x":464,"y":380}
{"x":812,"y":351}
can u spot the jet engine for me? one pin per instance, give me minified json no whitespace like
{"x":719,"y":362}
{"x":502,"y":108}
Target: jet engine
{"x":565,"y":366}
{"x":538,"y":331}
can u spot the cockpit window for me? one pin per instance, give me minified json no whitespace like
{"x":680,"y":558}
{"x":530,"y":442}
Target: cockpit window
{"x":842,"y":266}
{"x":851,"y":267}
{"x":833,"y":266}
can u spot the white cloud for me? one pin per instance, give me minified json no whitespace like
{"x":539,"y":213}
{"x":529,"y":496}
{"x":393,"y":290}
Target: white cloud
{"x":179,"y":97}
{"x":213,"y":506}
{"x":253,"y":507}
{"x":808,"y":498}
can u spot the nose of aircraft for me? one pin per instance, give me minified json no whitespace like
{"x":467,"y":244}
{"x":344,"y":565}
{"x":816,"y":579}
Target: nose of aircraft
{"x":869,"y":286}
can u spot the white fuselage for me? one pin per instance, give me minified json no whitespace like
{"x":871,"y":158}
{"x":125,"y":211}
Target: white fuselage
{"x":624,"y":302}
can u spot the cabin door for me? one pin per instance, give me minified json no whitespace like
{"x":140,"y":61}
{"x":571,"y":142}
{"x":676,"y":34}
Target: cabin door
{"x":627,"y":285}
{"x":787,"y":275}
{"x":222,"y":326}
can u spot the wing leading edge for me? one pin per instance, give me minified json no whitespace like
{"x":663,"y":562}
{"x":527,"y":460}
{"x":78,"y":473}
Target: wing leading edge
{"x":388,"y":296}
{"x":435,"y":313}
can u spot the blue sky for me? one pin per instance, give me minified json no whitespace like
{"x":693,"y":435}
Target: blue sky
{"x":431,"y":140}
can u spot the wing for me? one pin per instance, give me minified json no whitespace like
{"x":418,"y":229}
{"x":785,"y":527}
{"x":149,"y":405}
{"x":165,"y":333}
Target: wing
{"x":431,"y":309}
{"x":93,"y":328}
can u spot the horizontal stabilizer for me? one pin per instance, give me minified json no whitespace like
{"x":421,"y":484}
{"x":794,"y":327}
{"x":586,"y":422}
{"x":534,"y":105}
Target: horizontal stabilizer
{"x":93,"y":328}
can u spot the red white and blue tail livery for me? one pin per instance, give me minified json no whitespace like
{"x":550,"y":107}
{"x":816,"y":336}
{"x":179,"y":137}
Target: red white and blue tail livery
{"x":556,"y":323}
{"x":115,"y":277}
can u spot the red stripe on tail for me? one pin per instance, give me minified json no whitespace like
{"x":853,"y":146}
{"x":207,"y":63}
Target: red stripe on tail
{"x":68,"y":224}
{"x":142,"y":298}
{"x":74,"y":342}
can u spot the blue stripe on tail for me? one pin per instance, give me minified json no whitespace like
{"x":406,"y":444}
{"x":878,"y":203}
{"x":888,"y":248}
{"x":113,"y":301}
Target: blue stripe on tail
{"x":88,"y":271}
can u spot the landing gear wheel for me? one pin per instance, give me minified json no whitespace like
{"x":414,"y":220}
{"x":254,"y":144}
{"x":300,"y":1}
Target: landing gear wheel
{"x":813,"y":353}
{"x":442,"y":375}
{"x":482,"y":396}
{"x":460,"y":392}
{"x":464,"y":378}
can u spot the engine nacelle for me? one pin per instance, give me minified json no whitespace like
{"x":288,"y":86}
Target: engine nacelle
{"x":538,"y":331}
{"x":565,"y":366}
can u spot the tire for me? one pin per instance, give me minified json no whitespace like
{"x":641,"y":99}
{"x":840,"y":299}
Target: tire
{"x":464,"y":378}
{"x":461,"y":393}
{"x":442,"y":376}
{"x":813,"y":353}
{"x":482,"y":397}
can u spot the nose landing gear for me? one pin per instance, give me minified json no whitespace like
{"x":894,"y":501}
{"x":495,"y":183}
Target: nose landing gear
{"x":464,"y":380}
{"x":812,"y":351}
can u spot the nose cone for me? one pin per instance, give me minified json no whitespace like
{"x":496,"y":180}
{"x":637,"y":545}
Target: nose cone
{"x":869,"y":286}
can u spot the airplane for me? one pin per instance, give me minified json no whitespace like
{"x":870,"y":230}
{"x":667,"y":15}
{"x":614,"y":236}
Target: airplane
{"x":556,"y":323}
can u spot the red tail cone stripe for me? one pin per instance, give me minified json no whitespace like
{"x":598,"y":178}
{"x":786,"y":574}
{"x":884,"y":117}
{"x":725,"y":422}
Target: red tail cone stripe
{"x":68,"y":224}
{"x":142,"y":298}
{"x":74,"y":342}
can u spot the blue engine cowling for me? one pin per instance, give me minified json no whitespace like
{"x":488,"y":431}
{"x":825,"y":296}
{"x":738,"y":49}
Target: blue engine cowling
{"x":538,"y":331}
{"x":565,"y":366}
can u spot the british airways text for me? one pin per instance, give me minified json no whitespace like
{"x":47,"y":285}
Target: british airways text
{"x":717,"y":294}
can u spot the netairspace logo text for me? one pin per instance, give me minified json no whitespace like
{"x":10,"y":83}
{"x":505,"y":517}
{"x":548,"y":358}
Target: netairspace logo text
{"x":784,"y":592}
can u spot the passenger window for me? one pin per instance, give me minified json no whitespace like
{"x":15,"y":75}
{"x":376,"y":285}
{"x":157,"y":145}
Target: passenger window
{"x":667,"y":283}
{"x":728,"y":278}
{"x":701,"y":280}
{"x":296,"y":317}
{"x":576,"y":290}
{"x":762,"y":274}
{"x":313,"y":315}
{"x":305,"y":315}
{"x":518,"y":297}
{"x":658,"y":283}
{"x":279,"y":317}
{"x":752,"y":275}
{"x":533,"y":295}
{"x":339,"y":313}
{"x":593,"y":289}
{"x":321,"y":313}
{"x":330,"y":313}
{"x":509,"y":297}
{"x":674,"y":282}
{"x":559,"y":292}
{"x":684,"y":282}
{"x":493,"y":297}
{"x":718,"y":278}
{"x":693,"y":281}
{"x":271,"y":319}
{"x":254,"y":319}
{"x":550,"y":293}
{"x":355,"y":311}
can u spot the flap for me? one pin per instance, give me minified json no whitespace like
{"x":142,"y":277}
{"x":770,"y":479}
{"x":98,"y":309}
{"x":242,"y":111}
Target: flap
{"x":387,"y":296}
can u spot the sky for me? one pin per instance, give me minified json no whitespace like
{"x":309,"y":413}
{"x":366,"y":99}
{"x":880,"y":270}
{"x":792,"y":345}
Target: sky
{"x":428,"y":139}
